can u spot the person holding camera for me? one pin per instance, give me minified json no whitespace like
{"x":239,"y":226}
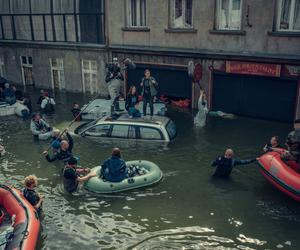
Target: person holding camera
{"x":113,"y":79}
{"x":149,"y":91}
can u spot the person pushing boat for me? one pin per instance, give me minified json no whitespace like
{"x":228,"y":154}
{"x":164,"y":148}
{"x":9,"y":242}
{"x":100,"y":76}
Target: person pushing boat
{"x":73,"y":175}
{"x":65,"y":151}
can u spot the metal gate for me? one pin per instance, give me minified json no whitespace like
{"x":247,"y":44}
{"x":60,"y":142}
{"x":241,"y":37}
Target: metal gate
{"x":255,"y":96}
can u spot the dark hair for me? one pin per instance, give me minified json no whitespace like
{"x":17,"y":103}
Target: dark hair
{"x":297,"y":121}
{"x":116,"y":152}
{"x":147,"y":70}
{"x":130,"y":89}
{"x":72,"y":161}
{"x":34,"y":114}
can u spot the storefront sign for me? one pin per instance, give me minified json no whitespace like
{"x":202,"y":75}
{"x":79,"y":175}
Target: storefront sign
{"x":253,"y":68}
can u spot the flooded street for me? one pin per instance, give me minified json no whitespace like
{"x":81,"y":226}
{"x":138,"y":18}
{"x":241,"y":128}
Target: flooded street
{"x":186,"y":210}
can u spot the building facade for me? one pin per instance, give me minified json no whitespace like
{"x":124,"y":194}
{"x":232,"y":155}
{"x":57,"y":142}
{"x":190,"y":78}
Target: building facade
{"x":246,"y":52}
{"x":58,"y":44}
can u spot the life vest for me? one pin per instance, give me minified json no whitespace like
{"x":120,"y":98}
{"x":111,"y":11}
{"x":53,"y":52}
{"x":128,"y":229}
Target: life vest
{"x":49,"y":107}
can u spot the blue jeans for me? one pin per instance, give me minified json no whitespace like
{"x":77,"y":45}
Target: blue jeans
{"x":134,"y":112}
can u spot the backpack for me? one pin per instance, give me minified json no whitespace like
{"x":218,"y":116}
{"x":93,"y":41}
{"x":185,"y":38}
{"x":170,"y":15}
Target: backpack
{"x":49,"y":107}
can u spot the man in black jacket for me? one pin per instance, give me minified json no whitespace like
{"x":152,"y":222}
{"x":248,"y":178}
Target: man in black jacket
{"x":65,"y":151}
{"x":226,"y":163}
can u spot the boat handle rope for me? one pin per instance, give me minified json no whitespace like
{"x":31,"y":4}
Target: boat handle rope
{"x":25,"y":233}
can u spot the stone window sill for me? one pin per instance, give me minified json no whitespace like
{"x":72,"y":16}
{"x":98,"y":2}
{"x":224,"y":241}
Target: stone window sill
{"x":284,"y":33}
{"x":228,"y":32}
{"x":136,"y":29}
{"x":176,"y":30}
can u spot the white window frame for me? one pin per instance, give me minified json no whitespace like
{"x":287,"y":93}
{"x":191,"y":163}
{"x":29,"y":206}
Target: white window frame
{"x":139,"y":20}
{"x":28,"y":65}
{"x":59,"y":68}
{"x":230,"y":10}
{"x":91,"y":72}
{"x":2,"y":66}
{"x":183,"y":25}
{"x":291,"y":15}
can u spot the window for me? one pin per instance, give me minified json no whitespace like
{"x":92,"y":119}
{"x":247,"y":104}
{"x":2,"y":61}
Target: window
{"x":288,"y":15}
{"x":131,"y":132}
{"x":57,"y":73}
{"x":171,"y":129}
{"x":120,"y":131}
{"x":181,"y":14}
{"x":136,"y":13}
{"x":2,"y":71}
{"x":90,"y":76}
{"x":150,"y":133}
{"x":98,"y":130}
{"x":26,"y":66}
{"x":53,"y":20}
{"x":229,"y":14}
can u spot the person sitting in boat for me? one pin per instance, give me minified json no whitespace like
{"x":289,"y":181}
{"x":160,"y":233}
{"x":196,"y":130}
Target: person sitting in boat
{"x":200,"y":118}
{"x":65,"y":151}
{"x":73,"y":175}
{"x":226,"y":163}
{"x":34,"y":198}
{"x":132,"y":102}
{"x":39,"y":127}
{"x":149,"y":91}
{"x":274,"y":143}
{"x":18,"y":93}
{"x":48,"y":103}
{"x":76,"y":112}
{"x":8,"y":94}
{"x":292,"y":155}
{"x":114,"y":169}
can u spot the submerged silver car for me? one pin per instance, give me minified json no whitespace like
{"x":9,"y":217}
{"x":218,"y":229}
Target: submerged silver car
{"x":160,"y":128}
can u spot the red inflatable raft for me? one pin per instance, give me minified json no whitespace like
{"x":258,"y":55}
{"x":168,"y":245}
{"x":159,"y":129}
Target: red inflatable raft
{"x":27,"y":223}
{"x":280,"y":175}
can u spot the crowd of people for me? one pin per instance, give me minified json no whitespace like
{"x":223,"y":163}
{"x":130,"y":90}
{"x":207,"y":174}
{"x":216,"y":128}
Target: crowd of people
{"x":148,"y":93}
{"x":114,"y":169}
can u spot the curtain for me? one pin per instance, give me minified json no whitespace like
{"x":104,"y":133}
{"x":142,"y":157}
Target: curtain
{"x":285,"y":14}
{"x":297,"y":15}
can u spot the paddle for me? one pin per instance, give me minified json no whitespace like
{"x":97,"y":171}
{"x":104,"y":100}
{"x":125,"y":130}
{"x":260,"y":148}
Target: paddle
{"x":72,"y":122}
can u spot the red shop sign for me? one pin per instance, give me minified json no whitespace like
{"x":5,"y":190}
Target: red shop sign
{"x":261,"y":69}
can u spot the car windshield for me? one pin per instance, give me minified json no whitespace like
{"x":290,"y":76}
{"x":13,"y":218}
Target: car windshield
{"x":171,"y":129}
{"x":84,"y":126}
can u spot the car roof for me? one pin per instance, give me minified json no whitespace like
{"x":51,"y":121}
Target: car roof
{"x":156,"y":120}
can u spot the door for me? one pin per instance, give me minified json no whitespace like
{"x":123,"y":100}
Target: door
{"x":57,"y":73}
{"x":255,"y":96}
{"x":173,"y":82}
{"x":90,"y":76}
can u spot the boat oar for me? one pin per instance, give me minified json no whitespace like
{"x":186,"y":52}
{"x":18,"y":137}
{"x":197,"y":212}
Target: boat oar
{"x":72,"y":122}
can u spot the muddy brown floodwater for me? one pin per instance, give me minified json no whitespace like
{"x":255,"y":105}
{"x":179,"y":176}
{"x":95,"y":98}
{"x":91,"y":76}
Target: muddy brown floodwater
{"x":186,"y":210}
